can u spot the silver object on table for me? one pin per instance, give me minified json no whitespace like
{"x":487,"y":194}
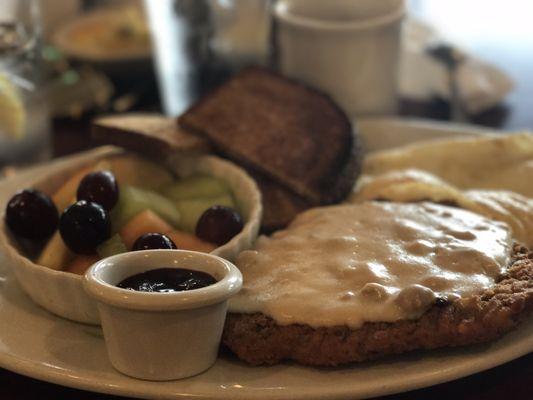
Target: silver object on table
{"x":180,"y":34}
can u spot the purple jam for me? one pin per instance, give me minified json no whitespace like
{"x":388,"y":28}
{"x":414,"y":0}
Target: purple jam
{"x":167,"y":280}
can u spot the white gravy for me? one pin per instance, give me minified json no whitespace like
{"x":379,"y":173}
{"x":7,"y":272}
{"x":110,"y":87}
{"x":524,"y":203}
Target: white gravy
{"x":349,"y":264}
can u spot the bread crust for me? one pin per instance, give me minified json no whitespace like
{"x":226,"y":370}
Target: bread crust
{"x":258,"y":339}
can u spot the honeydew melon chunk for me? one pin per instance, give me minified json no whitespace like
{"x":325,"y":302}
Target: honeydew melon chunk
{"x":113,"y":245}
{"x":192,"y":209}
{"x":132,"y":200}
{"x":55,"y":254}
{"x":196,"y":186}
{"x":144,"y":222}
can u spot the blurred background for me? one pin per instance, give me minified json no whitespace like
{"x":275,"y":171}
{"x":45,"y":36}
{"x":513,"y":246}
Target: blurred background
{"x":64,"y":62}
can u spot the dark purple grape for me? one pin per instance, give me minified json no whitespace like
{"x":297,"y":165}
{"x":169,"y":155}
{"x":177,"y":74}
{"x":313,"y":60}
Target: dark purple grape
{"x":99,"y":187}
{"x":32,"y":215}
{"x":151,"y":241}
{"x":83,"y":226}
{"x":219,"y":224}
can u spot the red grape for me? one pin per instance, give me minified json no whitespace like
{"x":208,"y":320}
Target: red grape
{"x":83,"y":226}
{"x":99,"y":187}
{"x":150,"y":241}
{"x":31,"y":214}
{"x":219,"y":224}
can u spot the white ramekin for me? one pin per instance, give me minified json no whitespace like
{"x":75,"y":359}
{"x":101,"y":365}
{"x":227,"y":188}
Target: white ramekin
{"x":162,"y":336}
{"x":61,"y":292}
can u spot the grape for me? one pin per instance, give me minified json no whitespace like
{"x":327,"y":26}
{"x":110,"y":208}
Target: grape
{"x":99,"y":187}
{"x":150,"y":241}
{"x":83,"y":226}
{"x":31,"y":214}
{"x":218,"y":224}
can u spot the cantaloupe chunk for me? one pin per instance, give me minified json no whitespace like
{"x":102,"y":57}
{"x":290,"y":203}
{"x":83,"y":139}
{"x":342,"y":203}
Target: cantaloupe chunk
{"x":81,"y":263}
{"x":130,"y":169}
{"x":66,"y":194}
{"x":55,"y":254}
{"x":186,"y":241}
{"x":145,"y":222}
{"x":149,"y":222}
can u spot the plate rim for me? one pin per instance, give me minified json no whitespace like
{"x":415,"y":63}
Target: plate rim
{"x":57,"y":376}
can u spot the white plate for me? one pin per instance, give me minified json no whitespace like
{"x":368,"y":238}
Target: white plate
{"x":38,"y":344}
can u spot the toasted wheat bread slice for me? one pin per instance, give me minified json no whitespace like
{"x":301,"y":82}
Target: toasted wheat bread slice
{"x":258,"y":339}
{"x":291,"y":133}
{"x":280,"y":205}
{"x":152,"y":135}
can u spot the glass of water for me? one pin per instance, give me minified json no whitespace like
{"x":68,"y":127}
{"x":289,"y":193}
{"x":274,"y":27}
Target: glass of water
{"x":24,"y":121}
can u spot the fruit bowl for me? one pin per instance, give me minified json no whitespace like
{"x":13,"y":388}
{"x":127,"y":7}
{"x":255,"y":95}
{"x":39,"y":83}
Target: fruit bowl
{"x":61,"y":292}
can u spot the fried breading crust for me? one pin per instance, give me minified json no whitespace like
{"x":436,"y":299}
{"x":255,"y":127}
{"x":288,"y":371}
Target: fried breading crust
{"x":257,"y":339}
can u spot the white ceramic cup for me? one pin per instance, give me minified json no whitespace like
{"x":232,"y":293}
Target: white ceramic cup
{"x":162,"y":336}
{"x":347,"y":48}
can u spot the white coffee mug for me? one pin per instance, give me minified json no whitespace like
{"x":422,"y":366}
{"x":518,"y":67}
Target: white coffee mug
{"x":347,"y":48}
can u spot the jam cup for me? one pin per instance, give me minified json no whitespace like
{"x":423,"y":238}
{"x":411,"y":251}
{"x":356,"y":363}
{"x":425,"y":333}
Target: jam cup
{"x":162,"y":336}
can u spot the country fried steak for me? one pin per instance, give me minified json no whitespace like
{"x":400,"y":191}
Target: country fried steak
{"x":258,"y":339}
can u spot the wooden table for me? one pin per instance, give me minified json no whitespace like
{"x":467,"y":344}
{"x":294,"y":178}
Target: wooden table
{"x":502,"y":33}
